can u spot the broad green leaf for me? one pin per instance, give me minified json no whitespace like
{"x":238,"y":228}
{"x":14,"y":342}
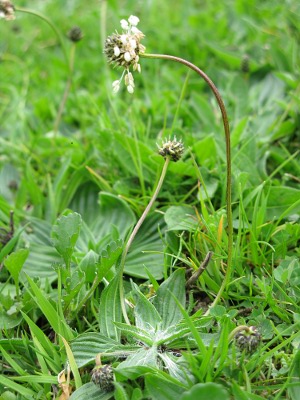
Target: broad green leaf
{"x":65,"y":234}
{"x":110,"y":309}
{"x":164,"y":301}
{"x":172,"y":365}
{"x":211,"y":391}
{"x":9,"y":321}
{"x":142,"y":357}
{"x":123,"y":374}
{"x":146,"y":315}
{"x":86,"y":346}
{"x":181,"y":218}
{"x":147,"y":337}
{"x":120,"y":392}
{"x":89,"y":391}
{"x":205,"y":151}
{"x":14,"y":263}
{"x":281,"y":199}
{"x":162,"y":389}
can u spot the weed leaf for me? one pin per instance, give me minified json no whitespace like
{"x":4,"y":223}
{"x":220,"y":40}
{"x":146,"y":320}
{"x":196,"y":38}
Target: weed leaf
{"x":110,"y":309}
{"x":164,"y":301}
{"x":65,"y":234}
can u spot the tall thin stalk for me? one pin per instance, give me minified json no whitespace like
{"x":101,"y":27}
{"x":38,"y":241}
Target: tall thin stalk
{"x":134,"y":232}
{"x":228,"y":158}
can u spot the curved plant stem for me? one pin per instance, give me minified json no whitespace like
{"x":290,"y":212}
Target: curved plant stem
{"x":134,"y":232}
{"x":228,"y":159}
{"x":52,"y":26}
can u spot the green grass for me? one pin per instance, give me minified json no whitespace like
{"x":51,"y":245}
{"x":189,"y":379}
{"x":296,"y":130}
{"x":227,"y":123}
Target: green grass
{"x":77,"y":191}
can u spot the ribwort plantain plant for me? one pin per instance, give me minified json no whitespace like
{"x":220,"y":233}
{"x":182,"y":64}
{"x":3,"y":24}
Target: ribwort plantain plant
{"x":125,"y":51}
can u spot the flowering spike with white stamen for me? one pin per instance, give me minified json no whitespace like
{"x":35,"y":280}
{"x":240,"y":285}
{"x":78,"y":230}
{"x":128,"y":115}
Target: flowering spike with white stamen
{"x":123,"y":50}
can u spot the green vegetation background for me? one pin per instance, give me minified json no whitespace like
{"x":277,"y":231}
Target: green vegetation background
{"x":107,"y":143}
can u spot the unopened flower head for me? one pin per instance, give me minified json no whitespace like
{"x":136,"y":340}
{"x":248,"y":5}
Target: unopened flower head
{"x":171,"y":148}
{"x":123,"y":50}
{"x":75,"y":34}
{"x":103,"y":377}
{"x":7,"y":10}
{"x":248,"y":339}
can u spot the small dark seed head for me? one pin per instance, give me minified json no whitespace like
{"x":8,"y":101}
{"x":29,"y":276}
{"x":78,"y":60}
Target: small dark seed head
{"x":103,"y":376}
{"x":75,"y":34}
{"x":248,"y":339}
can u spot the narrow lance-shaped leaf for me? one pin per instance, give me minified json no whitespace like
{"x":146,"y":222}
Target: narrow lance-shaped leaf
{"x":110,"y":309}
{"x":146,"y":315}
{"x":164,"y":301}
{"x":139,"y":334}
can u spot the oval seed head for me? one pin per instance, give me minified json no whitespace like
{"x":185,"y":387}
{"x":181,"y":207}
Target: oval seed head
{"x":123,"y":50}
{"x":172,"y":148}
{"x":75,"y":34}
{"x":248,"y":339}
{"x":7,"y":10}
{"x":103,"y":376}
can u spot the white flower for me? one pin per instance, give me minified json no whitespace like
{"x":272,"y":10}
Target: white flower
{"x":124,"y":24}
{"x":137,"y":67}
{"x":127,"y":56}
{"x":117,"y":51}
{"x":130,"y":89}
{"x":123,"y":39}
{"x":129,"y":81}
{"x":135,"y":30}
{"x":116,"y":86}
{"x":132,"y":43}
{"x":133,"y":20}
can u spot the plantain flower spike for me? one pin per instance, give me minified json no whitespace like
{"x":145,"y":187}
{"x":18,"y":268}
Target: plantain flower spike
{"x":123,"y":50}
{"x":171,"y":148}
{"x":248,"y":339}
{"x":7,"y":10}
{"x":103,"y":377}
